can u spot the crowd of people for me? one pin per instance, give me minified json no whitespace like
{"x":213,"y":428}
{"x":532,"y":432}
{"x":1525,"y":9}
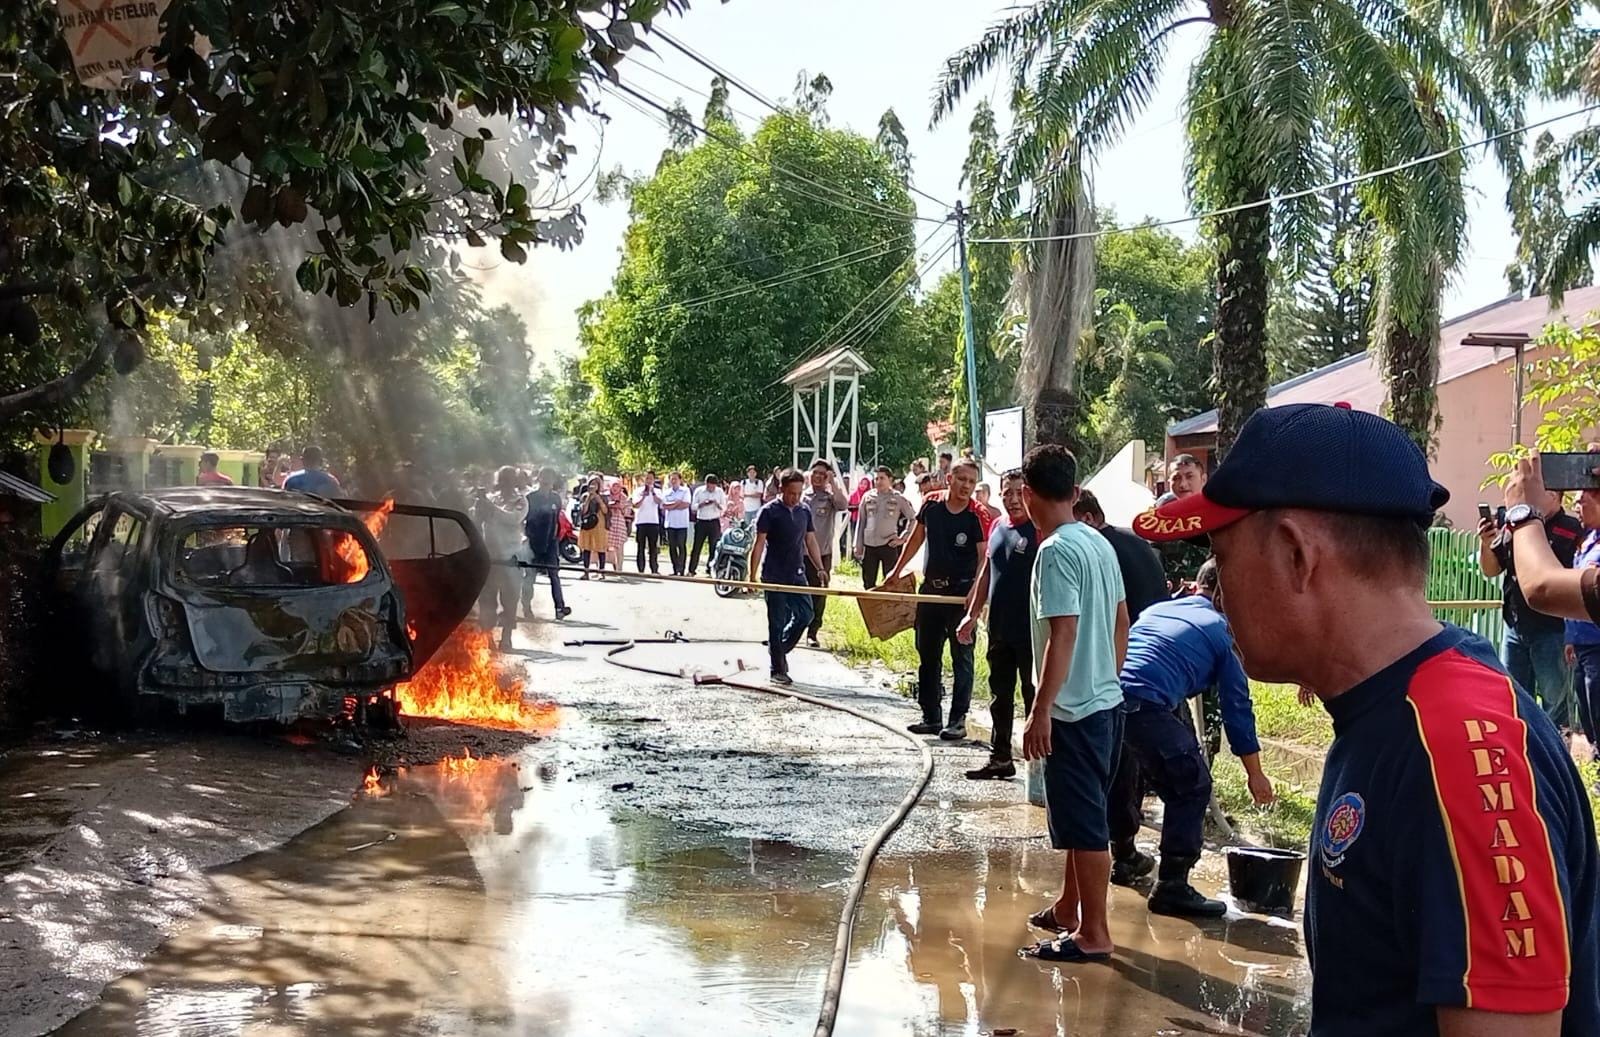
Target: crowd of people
{"x":1455,"y":876}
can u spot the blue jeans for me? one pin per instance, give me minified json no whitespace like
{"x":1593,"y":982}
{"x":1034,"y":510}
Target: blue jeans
{"x":1537,"y":662}
{"x":787,"y":617}
{"x":1587,"y":679}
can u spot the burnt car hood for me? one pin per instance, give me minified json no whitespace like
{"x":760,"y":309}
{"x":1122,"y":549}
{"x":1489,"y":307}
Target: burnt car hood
{"x":303,"y":631}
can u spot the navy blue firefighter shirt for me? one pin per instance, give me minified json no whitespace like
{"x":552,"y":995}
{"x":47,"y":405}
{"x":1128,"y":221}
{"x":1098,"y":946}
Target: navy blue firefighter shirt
{"x":1453,"y":859}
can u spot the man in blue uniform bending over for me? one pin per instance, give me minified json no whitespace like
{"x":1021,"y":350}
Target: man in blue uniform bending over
{"x":1176,"y":650}
{"x":1455,"y":876}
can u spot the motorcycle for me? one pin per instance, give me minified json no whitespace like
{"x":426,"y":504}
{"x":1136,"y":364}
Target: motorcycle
{"x":567,"y":539}
{"x":731,"y":559}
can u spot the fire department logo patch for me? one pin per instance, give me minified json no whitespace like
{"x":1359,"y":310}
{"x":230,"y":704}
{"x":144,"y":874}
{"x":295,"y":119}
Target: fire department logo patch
{"x":961,"y":540}
{"x":1346,"y":818}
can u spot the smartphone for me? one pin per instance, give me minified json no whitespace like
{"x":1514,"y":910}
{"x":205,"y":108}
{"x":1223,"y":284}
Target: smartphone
{"x":1570,"y":471}
{"x":1500,"y":515}
{"x":1484,"y":514}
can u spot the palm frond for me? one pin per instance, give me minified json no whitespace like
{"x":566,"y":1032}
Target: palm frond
{"x":1579,"y":241}
{"x":1011,"y":40}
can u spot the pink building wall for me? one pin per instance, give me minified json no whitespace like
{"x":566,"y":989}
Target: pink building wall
{"x":1476,"y":413}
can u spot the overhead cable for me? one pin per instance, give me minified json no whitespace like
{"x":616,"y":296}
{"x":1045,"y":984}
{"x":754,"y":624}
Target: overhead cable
{"x":1334,"y":185}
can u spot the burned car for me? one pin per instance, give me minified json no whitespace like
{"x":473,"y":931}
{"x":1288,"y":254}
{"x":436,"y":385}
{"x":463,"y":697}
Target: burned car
{"x":262,"y":604}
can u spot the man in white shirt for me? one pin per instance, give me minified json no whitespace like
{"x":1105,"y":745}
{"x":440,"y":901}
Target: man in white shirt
{"x":754,"y":492}
{"x":675,"y":507}
{"x":709,"y":503}
{"x":647,"y":515}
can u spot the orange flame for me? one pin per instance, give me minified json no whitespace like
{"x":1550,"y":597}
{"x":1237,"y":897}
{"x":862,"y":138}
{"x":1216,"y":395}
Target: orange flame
{"x":372,"y":785}
{"x":349,"y":549}
{"x":455,"y":766}
{"x":462,"y":683}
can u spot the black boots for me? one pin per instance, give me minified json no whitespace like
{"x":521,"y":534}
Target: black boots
{"x":1174,"y":896}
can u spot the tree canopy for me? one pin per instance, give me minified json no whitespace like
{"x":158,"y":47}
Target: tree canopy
{"x":734,"y":270}
{"x":363,"y":127}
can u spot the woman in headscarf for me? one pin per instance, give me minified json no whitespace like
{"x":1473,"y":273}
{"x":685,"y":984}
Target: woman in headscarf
{"x":619,"y":514}
{"x":594,"y":535}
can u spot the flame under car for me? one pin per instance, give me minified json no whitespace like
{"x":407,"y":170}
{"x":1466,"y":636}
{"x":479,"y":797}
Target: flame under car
{"x":265,"y":604}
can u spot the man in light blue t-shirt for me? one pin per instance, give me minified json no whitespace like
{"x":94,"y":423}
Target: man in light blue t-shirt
{"x":1080,"y":635}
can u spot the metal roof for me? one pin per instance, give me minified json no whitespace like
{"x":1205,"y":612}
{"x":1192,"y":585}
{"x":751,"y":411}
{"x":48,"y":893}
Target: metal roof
{"x":1357,"y":381}
{"x":22,"y":489}
{"x":816,"y":370}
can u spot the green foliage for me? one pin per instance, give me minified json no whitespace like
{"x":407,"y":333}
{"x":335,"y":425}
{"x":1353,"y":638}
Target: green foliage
{"x":1127,"y":349}
{"x":732,"y":272}
{"x":1082,"y":72}
{"x":1566,"y":383}
{"x":335,"y":115}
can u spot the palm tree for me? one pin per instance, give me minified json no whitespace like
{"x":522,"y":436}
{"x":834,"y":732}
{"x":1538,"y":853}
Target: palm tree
{"x":1082,"y":70}
{"x":1125,"y":346}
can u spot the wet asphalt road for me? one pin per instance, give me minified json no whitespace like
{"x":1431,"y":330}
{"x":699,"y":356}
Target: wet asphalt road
{"x":672,"y":861}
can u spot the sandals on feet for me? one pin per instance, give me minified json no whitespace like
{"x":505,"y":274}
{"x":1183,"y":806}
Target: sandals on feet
{"x":1046,"y":920}
{"x":1062,"y":949}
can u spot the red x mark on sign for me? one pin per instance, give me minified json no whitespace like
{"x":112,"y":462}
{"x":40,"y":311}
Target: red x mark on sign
{"x":97,"y":20}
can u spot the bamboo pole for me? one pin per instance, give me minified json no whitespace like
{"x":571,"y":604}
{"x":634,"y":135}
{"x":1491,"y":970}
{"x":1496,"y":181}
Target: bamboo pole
{"x":847,"y":592}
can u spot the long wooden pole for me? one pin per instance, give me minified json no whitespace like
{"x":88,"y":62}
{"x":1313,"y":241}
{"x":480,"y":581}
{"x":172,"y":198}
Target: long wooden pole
{"x":849,"y":592}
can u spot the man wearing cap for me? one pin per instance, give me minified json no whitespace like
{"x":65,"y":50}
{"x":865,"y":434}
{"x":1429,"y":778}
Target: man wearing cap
{"x":1454,"y":868}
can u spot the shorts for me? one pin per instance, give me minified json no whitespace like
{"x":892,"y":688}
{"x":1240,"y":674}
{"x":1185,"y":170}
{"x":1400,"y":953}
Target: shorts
{"x":1077,"y":779}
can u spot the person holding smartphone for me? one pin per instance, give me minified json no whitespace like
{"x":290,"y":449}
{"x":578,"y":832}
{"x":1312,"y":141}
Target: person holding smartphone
{"x":1534,"y":649}
{"x":1550,"y":588}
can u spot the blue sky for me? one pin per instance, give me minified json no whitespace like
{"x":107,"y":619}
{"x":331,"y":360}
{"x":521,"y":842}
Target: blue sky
{"x":881,"y":54}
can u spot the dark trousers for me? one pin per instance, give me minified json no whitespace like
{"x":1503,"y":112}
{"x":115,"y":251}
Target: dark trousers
{"x":936,"y":627}
{"x":499,"y":595}
{"x":706,"y":533}
{"x":648,"y":536}
{"x":787,"y":616}
{"x":677,"y":548}
{"x":819,"y":604}
{"x":1125,"y":807}
{"x":1587,"y":682}
{"x":1010,"y":663}
{"x":549,"y":566}
{"x":875,"y":558}
{"x":1171,"y":759}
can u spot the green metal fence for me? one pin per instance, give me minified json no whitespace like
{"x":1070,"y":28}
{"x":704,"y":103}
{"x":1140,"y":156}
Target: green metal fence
{"x":1454,"y":576}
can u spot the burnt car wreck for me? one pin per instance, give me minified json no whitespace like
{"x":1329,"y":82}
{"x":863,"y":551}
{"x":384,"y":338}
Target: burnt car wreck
{"x":265,"y":605}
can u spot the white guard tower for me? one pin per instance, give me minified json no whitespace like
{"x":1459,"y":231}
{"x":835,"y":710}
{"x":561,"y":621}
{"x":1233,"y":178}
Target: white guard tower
{"x":827,"y":396}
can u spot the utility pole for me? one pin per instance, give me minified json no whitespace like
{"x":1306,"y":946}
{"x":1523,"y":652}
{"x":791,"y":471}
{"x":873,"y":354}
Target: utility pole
{"x":966,"y":331}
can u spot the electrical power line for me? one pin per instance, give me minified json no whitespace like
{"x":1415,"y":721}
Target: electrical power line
{"x":828,"y":336}
{"x":868,"y":324}
{"x":1307,"y":192}
{"x":816,"y":269}
{"x":860,"y":206}
{"x":712,"y":67}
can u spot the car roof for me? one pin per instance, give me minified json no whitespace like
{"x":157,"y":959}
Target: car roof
{"x":185,"y":501}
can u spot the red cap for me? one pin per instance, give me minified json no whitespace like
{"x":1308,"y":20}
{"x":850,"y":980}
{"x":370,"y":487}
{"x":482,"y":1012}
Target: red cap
{"x":1192,"y":516}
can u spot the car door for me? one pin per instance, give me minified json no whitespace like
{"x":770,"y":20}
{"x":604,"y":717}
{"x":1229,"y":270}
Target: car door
{"x":108,"y":588}
{"x":439,"y":563}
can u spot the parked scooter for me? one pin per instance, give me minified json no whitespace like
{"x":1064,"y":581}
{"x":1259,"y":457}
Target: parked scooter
{"x":731,"y":559}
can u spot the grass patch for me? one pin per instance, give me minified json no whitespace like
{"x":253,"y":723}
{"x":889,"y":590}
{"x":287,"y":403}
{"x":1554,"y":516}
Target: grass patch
{"x":1280,"y":715}
{"x":845,"y":633}
{"x":1286,"y":823}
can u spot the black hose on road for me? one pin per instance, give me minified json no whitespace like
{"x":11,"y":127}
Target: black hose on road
{"x":829,"y":1012}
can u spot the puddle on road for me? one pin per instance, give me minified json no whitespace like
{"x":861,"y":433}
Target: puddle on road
{"x":502,"y":898}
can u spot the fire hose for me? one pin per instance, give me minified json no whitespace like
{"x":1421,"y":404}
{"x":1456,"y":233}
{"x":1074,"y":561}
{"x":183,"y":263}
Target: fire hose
{"x":829,"y":1012}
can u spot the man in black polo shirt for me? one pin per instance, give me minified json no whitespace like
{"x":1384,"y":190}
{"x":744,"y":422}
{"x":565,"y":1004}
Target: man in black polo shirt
{"x":1535,"y":644}
{"x":1004,"y":576}
{"x":953,"y":534}
{"x":1145,"y":581}
{"x":784,"y":540}
{"x":1455,"y":877}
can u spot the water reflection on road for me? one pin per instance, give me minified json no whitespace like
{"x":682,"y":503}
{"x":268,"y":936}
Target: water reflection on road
{"x":504,"y":899}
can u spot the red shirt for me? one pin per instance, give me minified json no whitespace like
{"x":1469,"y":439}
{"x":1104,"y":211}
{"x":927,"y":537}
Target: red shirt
{"x":213,"y":479}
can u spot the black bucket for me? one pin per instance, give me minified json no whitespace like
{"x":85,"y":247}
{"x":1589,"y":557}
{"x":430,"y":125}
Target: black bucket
{"x":1264,"y":879}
